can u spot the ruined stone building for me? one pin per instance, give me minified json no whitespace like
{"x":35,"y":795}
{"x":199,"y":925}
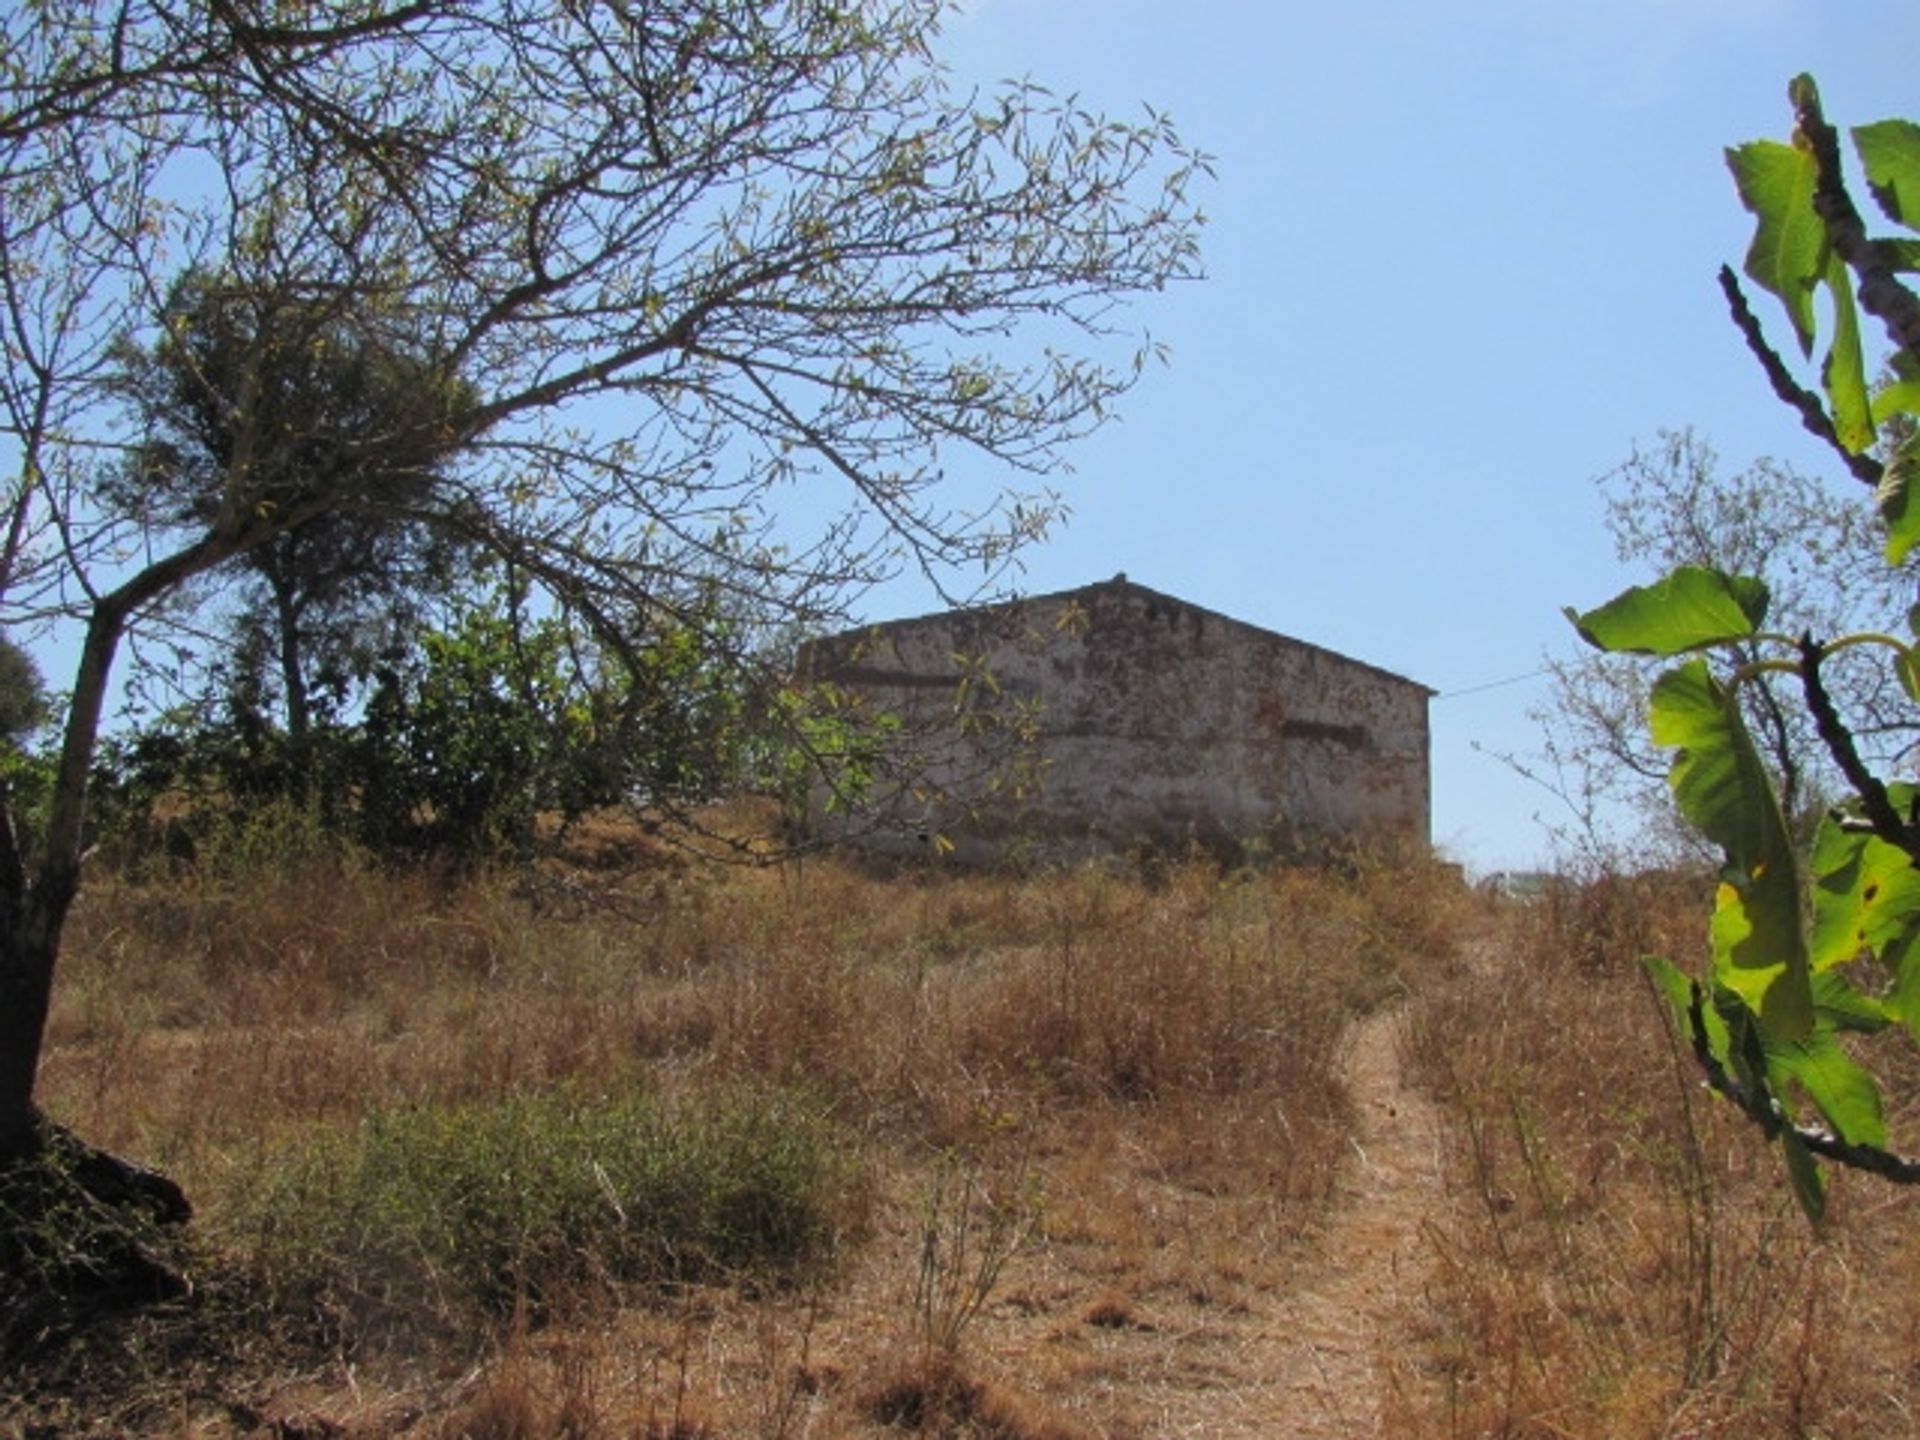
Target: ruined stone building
{"x":1111,"y":718}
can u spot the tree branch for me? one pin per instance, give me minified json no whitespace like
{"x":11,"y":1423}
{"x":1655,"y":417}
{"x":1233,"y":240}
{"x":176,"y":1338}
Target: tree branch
{"x":1881,"y":295}
{"x":1874,"y":801}
{"x":1760,"y":1107}
{"x":1813,"y":414}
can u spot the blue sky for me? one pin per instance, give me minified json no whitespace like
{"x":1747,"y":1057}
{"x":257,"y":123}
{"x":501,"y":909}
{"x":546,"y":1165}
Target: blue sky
{"x":1460,"y":258}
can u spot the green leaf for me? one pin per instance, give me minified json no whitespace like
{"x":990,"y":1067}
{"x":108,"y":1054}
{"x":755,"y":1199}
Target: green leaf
{"x":1789,"y":251}
{"x":1890,"y":152}
{"x":1836,"y":1003}
{"x":1906,"y":666}
{"x":1721,"y":786}
{"x":1673,"y":983}
{"x":1866,"y":895}
{"x":1843,"y":1092}
{"x":1902,"y":958}
{"x":1845,"y":370}
{"x":1691,"y":608}
{"x":1901,"y":397}
{"x":1682,"y":992}
{"x":1809,"y":1187}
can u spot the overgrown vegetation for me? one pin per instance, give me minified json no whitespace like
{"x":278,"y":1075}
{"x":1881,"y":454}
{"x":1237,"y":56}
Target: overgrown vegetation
{"x":479,"y":737}
{"x":809,"y":1150}
{"x":508,"y":1206}
{"x":315,"y":306}
{"x":1618,"y":1258}
{"x":1813,"y":947}
{"x":419,"y":1114}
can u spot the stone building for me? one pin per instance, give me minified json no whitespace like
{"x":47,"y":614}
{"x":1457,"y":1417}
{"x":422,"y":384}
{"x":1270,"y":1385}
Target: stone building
{"x":1113,"y":718}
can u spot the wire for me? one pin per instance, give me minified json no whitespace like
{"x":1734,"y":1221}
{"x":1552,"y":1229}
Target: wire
{"x":1494,"y":684}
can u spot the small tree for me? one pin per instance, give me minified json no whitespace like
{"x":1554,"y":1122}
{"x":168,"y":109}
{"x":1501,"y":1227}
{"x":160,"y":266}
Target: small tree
{"x":351,"y":413}
{"x":23,"y":695}
{"x":500,"y":718}
{"x":1810,"y":950}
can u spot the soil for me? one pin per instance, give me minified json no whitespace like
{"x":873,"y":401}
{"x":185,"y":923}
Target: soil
{"x":1317,"y":1343}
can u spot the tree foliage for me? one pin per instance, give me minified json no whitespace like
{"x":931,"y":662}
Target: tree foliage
{"x":1811,"y":949}
{"x":500,"y":718}
{"x":1671,"y":505}
{"x":680,"y":276}
{"x":348,"y":414}
{"x":23,"y":694}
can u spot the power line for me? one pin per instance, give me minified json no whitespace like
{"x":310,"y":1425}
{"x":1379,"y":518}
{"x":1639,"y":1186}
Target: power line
{"x":1494,"y":684}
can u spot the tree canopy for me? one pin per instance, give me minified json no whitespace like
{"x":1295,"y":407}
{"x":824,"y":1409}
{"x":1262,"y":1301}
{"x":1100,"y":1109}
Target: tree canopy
{"x":345,"y":415}
{"x":676,"y":274}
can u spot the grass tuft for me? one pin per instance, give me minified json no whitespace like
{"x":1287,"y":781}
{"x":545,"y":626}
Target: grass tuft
{"x":516,"y":1206}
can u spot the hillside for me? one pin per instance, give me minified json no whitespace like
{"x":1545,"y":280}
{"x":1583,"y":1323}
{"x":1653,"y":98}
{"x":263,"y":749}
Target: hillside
{"x":670,"y":1151}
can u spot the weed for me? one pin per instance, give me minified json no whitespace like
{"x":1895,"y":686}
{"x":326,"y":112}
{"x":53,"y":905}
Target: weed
{"x":433,"y":1113}
{"x":1627,"y":1263}
{"x":972,"y":1225}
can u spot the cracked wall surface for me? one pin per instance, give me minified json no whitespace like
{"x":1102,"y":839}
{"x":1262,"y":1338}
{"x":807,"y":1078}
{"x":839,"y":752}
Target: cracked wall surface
{"x":1114,"y":717}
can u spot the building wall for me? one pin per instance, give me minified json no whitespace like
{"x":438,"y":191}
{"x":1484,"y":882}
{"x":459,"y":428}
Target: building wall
{"x":1112,"y":717}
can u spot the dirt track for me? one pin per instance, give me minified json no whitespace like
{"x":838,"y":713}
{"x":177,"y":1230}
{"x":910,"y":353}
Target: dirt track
{"x":1318,"y":1334}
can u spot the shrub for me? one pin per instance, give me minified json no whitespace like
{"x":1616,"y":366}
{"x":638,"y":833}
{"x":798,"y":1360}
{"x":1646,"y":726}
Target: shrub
{"x":519,"y":1204}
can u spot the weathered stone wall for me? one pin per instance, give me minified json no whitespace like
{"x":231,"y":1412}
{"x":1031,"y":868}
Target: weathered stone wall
{"x":1146,"y":721}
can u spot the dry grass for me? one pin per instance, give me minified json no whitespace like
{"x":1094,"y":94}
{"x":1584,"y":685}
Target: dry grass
{"x":1149,"y":1069}
{"x":1623,"y":1258}
{"x":1095,"y":1138}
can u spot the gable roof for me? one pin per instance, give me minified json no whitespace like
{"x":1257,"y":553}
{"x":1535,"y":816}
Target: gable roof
{"x":1120,"y":584}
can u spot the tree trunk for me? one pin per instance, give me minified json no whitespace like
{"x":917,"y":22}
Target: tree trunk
{"x":36,"y":891}
{"x":293,"y":679}
{"x":26,"y":988}
{"x":37,"y":896}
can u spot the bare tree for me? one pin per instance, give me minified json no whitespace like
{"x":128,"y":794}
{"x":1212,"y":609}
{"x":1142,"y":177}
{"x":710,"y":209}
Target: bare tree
{"x":700,"y":270}
{"x":1673,"y":504}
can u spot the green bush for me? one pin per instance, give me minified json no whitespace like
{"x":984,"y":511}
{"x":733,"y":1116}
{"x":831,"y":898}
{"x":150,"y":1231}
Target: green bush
{"x":513,"y":1206}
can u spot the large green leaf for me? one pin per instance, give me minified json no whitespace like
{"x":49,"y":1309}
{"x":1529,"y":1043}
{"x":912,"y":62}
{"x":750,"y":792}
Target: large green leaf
{"x":1906,"y":668}
{"x":1899,"y":397}
{"x":1674,"y":984}
{"x":1890,"y":151}
{"x":1902,"y":959}
{"x":1839,"y":1004}
{"x":1721,"y":786}
{"x":1809,"y":1186}
{"x":1845,"y":370}
{"x":1683,"y":995}
{"x":1789,"y":251}
{"x":1692,"y":608}
{"x":1866,"y":897}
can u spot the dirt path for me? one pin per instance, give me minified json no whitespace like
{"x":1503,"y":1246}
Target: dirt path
{"x":1361,"y":1301}
{"x":1322,"y":1332}
{"x":1169,"y":1310}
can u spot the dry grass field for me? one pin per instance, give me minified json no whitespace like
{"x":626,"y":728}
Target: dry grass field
{"x":663,"y":1150}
